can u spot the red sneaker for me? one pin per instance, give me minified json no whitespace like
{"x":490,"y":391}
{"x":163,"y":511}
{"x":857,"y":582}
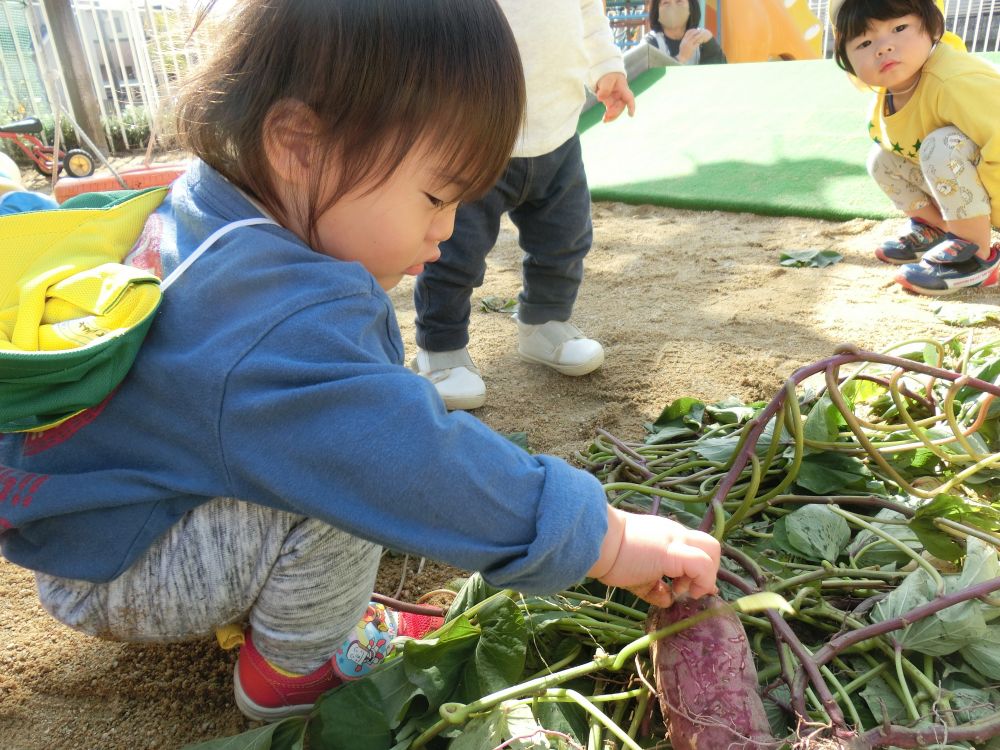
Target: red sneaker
{"x":264,"y":693}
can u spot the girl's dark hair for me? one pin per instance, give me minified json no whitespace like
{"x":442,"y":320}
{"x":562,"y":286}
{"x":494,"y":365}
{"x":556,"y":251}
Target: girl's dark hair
{"x":380,"y":75}
{"x":855,"y":16}
{"x":653,"y":13}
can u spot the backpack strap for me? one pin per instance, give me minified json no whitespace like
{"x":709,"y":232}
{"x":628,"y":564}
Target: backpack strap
{"x":207,"y":243}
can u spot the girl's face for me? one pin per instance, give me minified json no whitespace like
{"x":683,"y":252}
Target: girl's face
{"x":890,"y":53}
{"x":394,"y":229}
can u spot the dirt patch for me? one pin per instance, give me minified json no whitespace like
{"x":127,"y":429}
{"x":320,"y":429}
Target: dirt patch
{"x":686,"y":303}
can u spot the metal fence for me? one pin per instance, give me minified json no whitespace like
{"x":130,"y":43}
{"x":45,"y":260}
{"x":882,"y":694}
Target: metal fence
{"x":977,"y":22}
{"x":135,"y":51}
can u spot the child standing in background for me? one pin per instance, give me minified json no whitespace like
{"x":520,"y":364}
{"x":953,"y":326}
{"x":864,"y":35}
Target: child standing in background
{"x":937,"y":140}
{"x":268,"y":439}
{"x":565,"y":45}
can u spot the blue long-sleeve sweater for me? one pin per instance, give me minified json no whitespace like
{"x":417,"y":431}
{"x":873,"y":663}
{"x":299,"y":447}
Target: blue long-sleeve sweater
{"x":274,"y":374}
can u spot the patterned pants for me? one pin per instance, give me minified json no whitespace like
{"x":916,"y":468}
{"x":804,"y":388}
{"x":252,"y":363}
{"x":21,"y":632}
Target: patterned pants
{"x":945,"y":175}
{"x":303,"y":585}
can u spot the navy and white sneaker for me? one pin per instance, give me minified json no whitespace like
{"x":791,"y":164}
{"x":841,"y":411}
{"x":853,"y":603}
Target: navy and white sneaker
{"x":908,"y":248}
{"x":949,"y":266}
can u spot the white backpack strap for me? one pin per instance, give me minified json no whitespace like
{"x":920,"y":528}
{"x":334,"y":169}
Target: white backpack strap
{"x":209,"y":241}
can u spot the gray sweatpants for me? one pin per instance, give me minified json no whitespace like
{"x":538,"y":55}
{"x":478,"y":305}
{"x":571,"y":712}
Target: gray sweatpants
{"x":302,"y":584}
{"x":945,"y":175}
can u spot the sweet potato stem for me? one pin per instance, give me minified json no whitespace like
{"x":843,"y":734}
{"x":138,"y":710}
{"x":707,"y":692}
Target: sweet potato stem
{"x":831,"y":366}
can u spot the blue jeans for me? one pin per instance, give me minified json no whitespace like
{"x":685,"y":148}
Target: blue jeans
{"x":549,"y":202}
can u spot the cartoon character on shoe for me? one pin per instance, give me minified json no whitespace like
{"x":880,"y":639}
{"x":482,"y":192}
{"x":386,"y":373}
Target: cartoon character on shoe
{"x":371,"y":644}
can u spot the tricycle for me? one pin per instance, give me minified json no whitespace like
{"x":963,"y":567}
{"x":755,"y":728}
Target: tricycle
{"x":77,"y":162}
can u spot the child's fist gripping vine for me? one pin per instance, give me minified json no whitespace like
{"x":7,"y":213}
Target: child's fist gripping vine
{"x":638,"y":551}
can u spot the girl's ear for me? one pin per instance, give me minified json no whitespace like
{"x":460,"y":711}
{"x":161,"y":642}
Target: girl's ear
{"x":291,"y":130}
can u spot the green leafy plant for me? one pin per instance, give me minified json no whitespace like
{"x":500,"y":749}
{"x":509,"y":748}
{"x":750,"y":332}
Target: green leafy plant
{"x":130,"y":130}
{"x":864,"y":493}
{"x":809,"y":258}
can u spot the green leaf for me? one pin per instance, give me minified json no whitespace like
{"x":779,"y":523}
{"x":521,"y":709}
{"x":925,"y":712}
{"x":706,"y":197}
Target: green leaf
{"x":474,"y":591}
{"x":495,"y":304}
{"x":689,"y":410}
{"x":817,"y":533}
{"x":954,"y":447}
{"x":435,"y":666}
{"x":779,"y":721}
{"x":721,"y":449}
{"x":520,"y":722}
{"x":498,"y":661}
{"x":823,"y":421}
{"x":973,"y":704}
{"x":917,"y":351}
{"x":965,"y":314}
{"x":879,"y":552}
{"x":916,"y":590}
{"x":430,"y":668}
{"x":668,"y":433}
{"x":681,"y":418}
{"x":924,"y":459}
{"x":730,"y":411}
{"x":862,"y":391}
{"x":952,"y":628}
{"x":981,"y":564}
{"x":520,"y":439}
{"x":809,"y":258}
{"x":283,"y":735}
{"x":935,"y":541}
{"x":481,"y":732}
{"x":395,"y":691}
{"x":349,"y":717}
{"x":831,"y":473}
{"x":568,"y":718}
{"x":988,"y":371}
{"x":882,"y":701}
{"x":983,"y":654}
{"x":969,"y":701}
{"x":779,"y":539}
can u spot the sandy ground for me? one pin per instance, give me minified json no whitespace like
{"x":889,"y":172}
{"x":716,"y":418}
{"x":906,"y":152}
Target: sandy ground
{"x":686,"y":304}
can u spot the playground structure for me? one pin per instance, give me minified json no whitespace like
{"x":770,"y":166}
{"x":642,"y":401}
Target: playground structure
{"x":762,"y":30}
{"x":749,"y":30}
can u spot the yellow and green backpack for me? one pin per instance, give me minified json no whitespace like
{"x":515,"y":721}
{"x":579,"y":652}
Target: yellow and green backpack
{"x":72,"y":315}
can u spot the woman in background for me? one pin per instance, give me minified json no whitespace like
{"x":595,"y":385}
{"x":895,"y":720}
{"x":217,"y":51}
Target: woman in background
{"x":674,"y":30}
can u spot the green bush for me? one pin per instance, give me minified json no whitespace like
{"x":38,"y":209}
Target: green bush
{"x":67,"y":137}
{"x":133,"y":125}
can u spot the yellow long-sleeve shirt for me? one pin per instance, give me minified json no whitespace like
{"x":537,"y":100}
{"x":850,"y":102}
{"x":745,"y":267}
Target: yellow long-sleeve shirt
{"x":957,"y":89}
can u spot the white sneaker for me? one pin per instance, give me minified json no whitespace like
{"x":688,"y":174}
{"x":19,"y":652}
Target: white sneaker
{"x":561,"y":346}
{"x":454,"y":376}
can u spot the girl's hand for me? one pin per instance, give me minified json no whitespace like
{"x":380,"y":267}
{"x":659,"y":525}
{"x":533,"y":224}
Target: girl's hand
{"x":613,"y":92}
{"x":693,"y":39}
{"x":639,"y":550}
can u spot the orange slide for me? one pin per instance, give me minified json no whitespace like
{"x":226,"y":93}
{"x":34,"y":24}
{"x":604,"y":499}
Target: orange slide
{"x":762,"y":30}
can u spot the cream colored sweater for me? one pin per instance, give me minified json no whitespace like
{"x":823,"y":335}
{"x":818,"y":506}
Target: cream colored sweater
{"x":565,"y":45}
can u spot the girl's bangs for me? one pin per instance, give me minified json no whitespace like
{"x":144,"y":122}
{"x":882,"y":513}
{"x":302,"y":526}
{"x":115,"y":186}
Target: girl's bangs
{"x":471,"y":154}
{"x":855,"y":18}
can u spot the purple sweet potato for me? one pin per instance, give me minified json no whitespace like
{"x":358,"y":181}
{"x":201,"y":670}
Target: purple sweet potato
{"x":706,"y":680}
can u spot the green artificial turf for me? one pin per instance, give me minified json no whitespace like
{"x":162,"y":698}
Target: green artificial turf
{"x":779,"y":138}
